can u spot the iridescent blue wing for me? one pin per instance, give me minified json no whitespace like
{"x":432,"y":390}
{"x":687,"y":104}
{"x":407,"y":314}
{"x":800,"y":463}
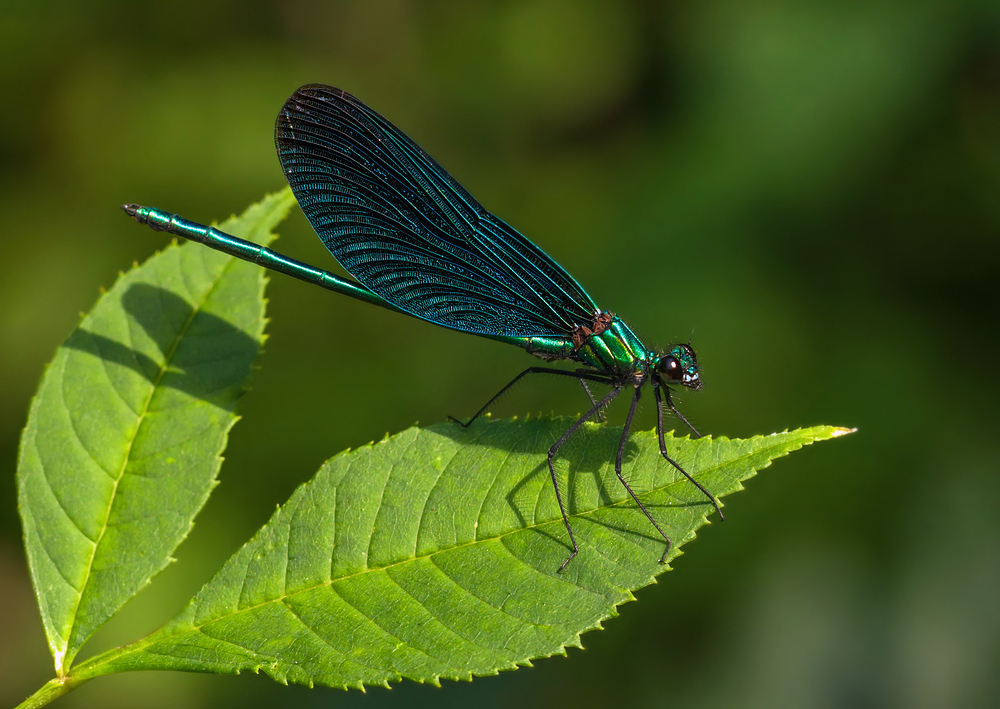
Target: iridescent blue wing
{"x":407,"y":230}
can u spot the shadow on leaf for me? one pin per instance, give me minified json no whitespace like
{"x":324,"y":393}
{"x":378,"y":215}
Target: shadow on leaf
{"x":215,"y":356}
{"x":584,"y":466}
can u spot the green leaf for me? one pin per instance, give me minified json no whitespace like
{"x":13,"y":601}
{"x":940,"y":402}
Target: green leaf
{"x":125,"y":435}
{"x":435,"y":553}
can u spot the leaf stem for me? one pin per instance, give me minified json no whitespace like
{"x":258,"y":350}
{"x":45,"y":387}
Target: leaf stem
{"x":53,"y":689}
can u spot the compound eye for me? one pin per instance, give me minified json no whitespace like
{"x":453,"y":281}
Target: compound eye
{"x":671,"y":368}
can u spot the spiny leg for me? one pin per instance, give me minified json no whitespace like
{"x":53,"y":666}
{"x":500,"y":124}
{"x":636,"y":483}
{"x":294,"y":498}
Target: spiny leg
{"x":621,"y":478}
{"x":670,"y":405}
{"x":552,"y":470}
{"x":663,"y":449}
{"x":593,"y":402}
{"x":532,"y":370}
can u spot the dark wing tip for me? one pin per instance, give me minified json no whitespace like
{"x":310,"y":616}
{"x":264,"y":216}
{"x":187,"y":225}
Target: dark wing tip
{"x":320,"y":90}
{"x":310,"y":94}
{"x":301,"y":101}
{"x":303,"y":111}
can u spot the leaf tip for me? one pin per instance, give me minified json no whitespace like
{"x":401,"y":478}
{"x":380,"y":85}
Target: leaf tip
{"x":841,"y":431}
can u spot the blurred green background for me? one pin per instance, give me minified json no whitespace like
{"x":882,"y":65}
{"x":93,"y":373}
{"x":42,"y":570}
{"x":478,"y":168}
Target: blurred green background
{"x":810,"y":187}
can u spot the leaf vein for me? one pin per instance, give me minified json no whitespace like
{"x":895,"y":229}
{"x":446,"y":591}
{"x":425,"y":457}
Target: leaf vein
{"x":427,"y":499}
{"x":386,"y":630}
{"x":437,"y":619}
{"x":345,"y":659}
{"x":469,"y":592}
{"x":107,"y":374}
{"x":489,"y":491}
{"x":62,"y":506}
{"x":381,"y":499}
{"x":54,"y":564}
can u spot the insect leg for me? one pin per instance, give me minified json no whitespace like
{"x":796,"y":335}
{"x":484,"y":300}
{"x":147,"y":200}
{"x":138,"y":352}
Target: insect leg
{"x":552,"y":471}
{"x":663,"y":451}
{"x":621,"y":478}
{"x":670,"y":405}
{"x":593,"y":402}
{"x":532,"y":370}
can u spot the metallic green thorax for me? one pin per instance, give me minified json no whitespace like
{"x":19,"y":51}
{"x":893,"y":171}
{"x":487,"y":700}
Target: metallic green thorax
{"x":615,"y":350}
